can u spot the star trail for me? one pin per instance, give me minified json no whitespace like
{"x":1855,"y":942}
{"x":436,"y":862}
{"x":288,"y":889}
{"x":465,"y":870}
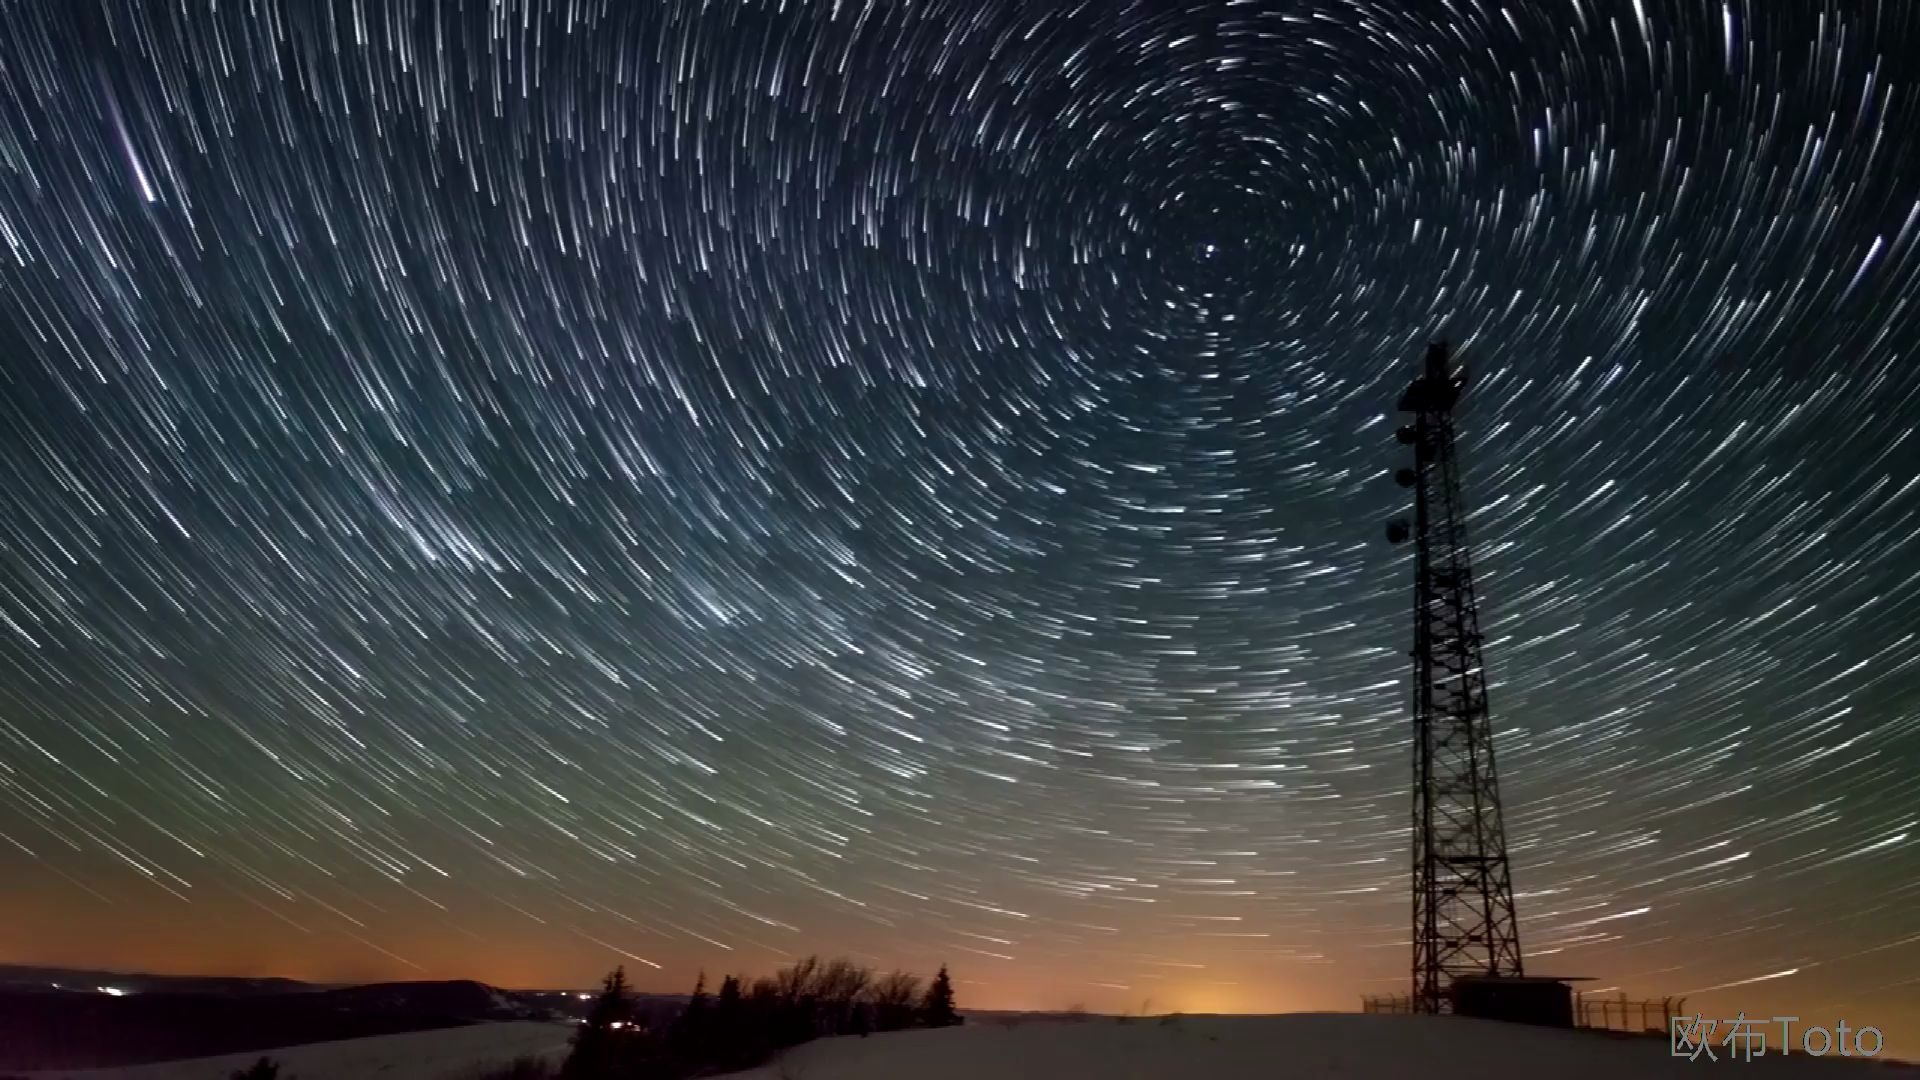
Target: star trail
{"x":498,"y":491}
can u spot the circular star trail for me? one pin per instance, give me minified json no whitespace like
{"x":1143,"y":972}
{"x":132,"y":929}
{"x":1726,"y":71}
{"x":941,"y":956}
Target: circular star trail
{"x":503,"y":490}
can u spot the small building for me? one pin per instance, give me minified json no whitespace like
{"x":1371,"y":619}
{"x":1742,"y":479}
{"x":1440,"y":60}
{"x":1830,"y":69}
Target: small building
{"x":1545,"y":1000}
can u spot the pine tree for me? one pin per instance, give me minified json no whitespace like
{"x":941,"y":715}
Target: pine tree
{"x":615,"y":1004}
{"x":936,"y":1009}
{"x":690,"y":1031}
{"x":596,"y":1045}
{"x":728,"y":1028}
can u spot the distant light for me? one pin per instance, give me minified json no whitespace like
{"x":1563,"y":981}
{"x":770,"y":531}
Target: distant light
{"x":617,"y":1024}
{"x":584,"y":997}
{"x":111,"y":991}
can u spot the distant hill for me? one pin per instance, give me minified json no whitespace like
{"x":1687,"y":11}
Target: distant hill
{"x":20,"y":977}
{"x":66,"y":1019}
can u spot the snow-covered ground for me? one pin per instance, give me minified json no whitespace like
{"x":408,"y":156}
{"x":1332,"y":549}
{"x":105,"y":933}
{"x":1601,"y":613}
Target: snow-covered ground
{"x":1305,"y":1046}
{"x":446,"y":1054}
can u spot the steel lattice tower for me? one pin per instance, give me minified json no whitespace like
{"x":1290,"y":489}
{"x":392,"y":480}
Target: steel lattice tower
{"x":1463,"y":918}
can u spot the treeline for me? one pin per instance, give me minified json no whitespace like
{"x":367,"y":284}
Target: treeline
{"x":743,"y":1025}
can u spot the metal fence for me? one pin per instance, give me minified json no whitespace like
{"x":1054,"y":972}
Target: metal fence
{"x":1619,"y":1014}
{"x":1595,"y":1013}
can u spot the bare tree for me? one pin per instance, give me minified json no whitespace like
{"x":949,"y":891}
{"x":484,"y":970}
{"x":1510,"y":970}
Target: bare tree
{"x":837,"y":986}
{"x":796,"y":982}
{"x":894,"y":998}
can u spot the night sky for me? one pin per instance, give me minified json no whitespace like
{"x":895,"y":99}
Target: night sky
{"x":499,"y":492}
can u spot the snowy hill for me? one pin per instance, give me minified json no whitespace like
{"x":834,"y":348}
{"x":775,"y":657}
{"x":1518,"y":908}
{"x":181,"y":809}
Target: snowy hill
{"x":1305,"y":1046}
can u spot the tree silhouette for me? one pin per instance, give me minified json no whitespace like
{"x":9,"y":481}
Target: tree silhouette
{"x":692,"y":1031}
{"x":895,"y":1000}
{"x":861,"y":1021}
{"x":837,"y":988}
{"x":264,"y":1069}
{"x":598,"y":1045}
{"x":746,"y":1024}
{"x":615,"y":1004}
{"x":936,"y":1009}
{"x":726,"y":1008}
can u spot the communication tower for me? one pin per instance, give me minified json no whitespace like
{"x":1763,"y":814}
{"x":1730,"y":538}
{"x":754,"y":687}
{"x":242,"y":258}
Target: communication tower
{"x":1463,"y":917}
